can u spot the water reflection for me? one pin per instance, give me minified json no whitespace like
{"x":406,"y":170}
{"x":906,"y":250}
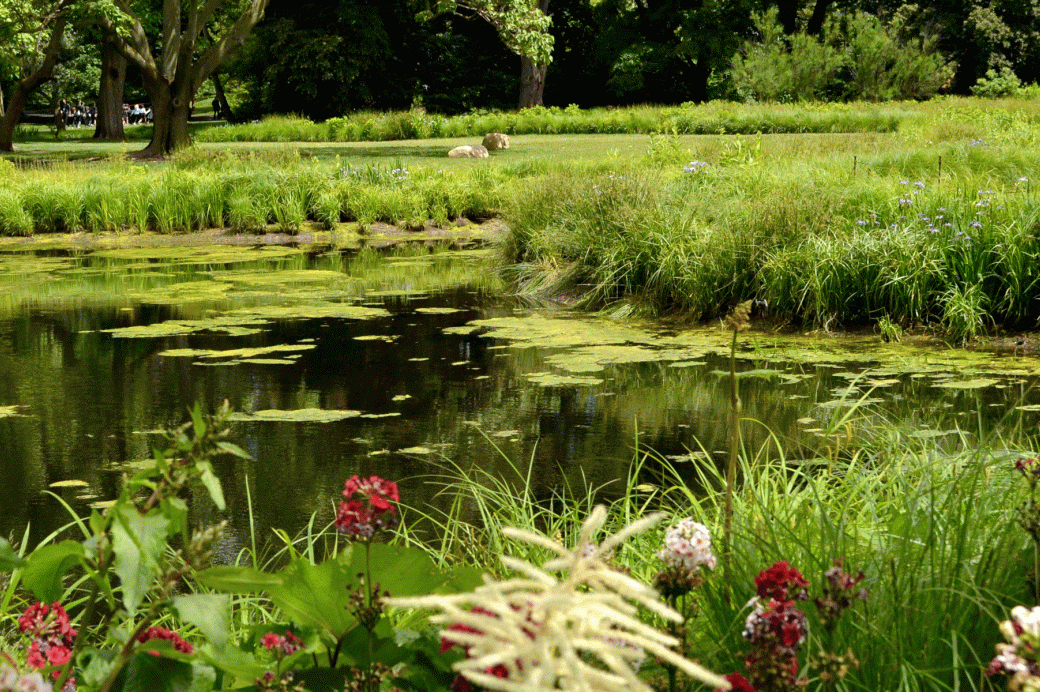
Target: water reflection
{"x":88,"y":398}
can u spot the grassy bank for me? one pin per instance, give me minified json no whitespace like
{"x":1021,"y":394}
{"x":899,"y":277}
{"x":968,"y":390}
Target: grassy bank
{"x":932,"y":224}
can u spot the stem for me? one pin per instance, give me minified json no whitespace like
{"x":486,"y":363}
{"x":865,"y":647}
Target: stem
{"x":734,"y":447}
{"x":126,"y":652}
{"x":368,"y":587}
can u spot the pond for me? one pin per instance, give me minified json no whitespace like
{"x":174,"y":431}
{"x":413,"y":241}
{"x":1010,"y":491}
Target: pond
{"x":401,"y":363}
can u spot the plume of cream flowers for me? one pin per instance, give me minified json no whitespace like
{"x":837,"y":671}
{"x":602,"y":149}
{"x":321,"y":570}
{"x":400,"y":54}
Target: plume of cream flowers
{"x":546,"y":629}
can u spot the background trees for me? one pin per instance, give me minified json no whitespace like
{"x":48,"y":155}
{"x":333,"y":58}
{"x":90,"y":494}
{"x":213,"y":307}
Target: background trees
{"x":323,"y":58}
{"x":195,"y":38}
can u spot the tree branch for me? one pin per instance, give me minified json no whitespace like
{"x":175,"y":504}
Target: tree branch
{"x":216,"y":54}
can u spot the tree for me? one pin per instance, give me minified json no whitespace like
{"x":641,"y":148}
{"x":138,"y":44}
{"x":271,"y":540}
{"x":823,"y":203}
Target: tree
{"x":109,"y":125}
{"x":185,"y":61}
{"x":523,"y":26}
{"x":32,"y":33}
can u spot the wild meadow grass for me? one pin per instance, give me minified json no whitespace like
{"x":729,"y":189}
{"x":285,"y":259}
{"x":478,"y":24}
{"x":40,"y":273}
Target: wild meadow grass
{"x":933,"y":530}
{"x":200,"y":190}
{"x":940,"y":234}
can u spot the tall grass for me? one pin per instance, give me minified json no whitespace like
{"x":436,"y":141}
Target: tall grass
{"x":899,"y":236}
{"x":713,"y":118}
{"x":198,"y":191}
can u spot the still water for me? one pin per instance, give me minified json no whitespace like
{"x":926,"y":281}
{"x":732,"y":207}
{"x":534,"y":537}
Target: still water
{"x":395,"y":364}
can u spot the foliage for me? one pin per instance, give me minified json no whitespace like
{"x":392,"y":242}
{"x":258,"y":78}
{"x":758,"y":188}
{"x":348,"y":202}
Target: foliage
{"x":856,"y":57}
{"x":997,"y":85}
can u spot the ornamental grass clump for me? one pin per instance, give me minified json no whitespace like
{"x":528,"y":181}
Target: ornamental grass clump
{"x":570,"y":624}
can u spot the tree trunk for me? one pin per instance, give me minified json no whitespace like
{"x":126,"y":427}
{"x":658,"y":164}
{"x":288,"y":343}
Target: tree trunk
{"x":109,"y":126}
{"x":225,"y":107}
{"x":532,"y":76}
{"x":26,"y":86}
{"x":819,"y":14}
{"x":788,"y":15}
{"x":169,"y":119}
{"x":532,"y":82}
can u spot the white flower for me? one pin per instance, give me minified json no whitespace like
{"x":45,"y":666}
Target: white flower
{"x":688,"y":545}
{"x":1028,"y":620}
{"x":11,"y":681}
{"x":544,"y":626}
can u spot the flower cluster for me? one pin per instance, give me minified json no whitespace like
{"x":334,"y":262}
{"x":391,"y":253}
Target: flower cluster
{"x":839,"y":594}
{"x":13,"y":681}
{"x":1018,"y":657}
{"x":687,"y":547}
{"x":775,"y":628}
{"x":167,"y":634}
{"x":1029,"y":511}
{"x":368,"y":507}
{"x":696,"y":167}
{"x":781,"y":582}
{"x":286,"y":644}
{"x":51,"y":632}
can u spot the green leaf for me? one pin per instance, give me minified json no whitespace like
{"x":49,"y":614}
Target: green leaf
{"x":212,"y":483}
{"x":47,"y":565}
{"x":9,"y":559}
{"x":176,"y":510}
{"x":317,"y":595}
{"x":234,"y":449}
{"x":138,"y":542}
{"x":147,"y":673}
{"x":242,"y":664}
{"x":211,"y":613}
{"x":237,"y":579}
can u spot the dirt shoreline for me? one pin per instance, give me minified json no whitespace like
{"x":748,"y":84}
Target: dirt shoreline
{"x":375,"y":235}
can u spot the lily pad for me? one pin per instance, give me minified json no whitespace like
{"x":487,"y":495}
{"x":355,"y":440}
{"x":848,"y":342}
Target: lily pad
{"x":978,"y":383}
{"x":438,"y":311}
{"x":303,"y":415}
{"x":69,"y":484}
{"x":415,"y":450}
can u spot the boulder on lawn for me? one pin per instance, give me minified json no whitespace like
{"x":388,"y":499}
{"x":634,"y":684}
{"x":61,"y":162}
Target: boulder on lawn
{"x":468,"y":152}
{"x":493,"y":141}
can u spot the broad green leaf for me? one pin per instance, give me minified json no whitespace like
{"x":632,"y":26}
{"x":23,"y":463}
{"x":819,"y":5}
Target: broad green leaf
{"x":237,"y":579}
{"x":318,"y":595}
{"x":242,"y":664}
{"x":9,"y":559}
{"x":212,"y":483}
{"x":148,"y":673}
{"x":211,"y":613}
{"x":95,"y":665}
{"x":47,"y":565}
{"x":138,"y":542}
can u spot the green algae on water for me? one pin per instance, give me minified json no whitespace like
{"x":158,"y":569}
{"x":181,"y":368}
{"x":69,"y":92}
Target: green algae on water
{"x":304,"y":415}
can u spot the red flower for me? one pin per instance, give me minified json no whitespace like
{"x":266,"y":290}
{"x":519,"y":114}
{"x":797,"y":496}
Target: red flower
{"x":368,"y":507}
{"x":169,"y":635}
{"x":288,"y":644}
{"x":738,"y":683}
{"x":36,"y":659}
{"x":59,"y":655}
{"x":781,"y":582}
